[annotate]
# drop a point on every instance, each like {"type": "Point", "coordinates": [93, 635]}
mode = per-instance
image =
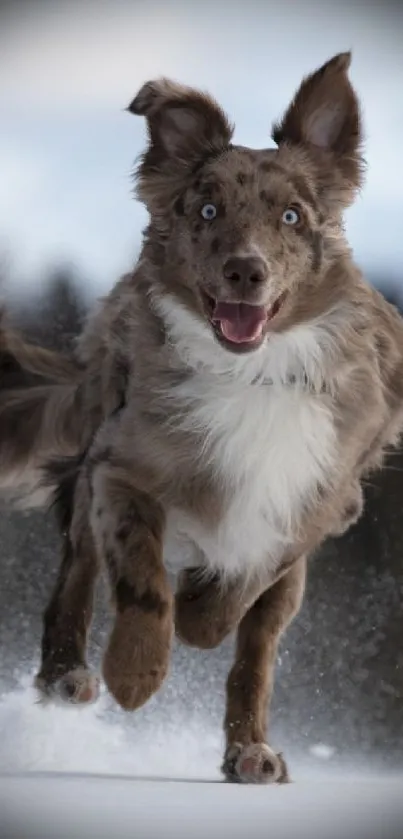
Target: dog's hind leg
{"type": "Point", "coordinates": [64, 672]}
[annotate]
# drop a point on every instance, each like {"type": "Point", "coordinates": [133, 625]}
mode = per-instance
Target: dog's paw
{"type": "Point", "coordinates": [137, 658]}
{"type": "Point", "coordinates": [132, 688]}
{"type": "Point", "coordinates": [255, 763]}
{"type": "Point", "coordinates": [76, 687]}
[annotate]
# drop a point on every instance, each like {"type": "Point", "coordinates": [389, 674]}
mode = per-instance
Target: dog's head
{"type": "Point", "coordinates": [247, 234]}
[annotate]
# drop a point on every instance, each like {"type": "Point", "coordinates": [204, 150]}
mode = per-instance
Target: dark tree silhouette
{"type": "Point", "coordinates": [56, 316]}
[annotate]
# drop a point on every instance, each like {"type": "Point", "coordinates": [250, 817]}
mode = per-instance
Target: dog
{"type": "Point", "coordinates": [227, 399]}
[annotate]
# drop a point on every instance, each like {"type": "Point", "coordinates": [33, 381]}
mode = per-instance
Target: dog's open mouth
{"type": "Point", "coordinates": [240, 324]}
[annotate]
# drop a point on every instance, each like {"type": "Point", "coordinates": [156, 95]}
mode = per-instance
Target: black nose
{"type": "Point", "coordinates": [245, 270]}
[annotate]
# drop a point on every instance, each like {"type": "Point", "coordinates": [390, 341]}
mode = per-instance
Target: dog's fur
{"type": "Point", "coordinates": [47, 374]}
{"type": "Point", "coordinates": [230, 458]}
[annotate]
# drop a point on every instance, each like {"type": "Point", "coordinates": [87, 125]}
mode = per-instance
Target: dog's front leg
{"type": "Point", "coordinates": [207, 610]}
{"type": "Point", "coordinates": [248, 758]}
{"type": "Point", "coordinates": [128, 527]}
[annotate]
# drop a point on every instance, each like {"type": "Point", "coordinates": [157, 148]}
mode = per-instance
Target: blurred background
{"type": "Point", "coordinates": [68, 227]}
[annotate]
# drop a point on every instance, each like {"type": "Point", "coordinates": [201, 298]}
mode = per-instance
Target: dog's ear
{"type": "Point", "coordinates": [325, 116]}
{"type": "Point", "coordinates": [184, 125]}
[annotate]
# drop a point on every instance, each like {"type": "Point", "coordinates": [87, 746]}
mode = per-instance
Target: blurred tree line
{"type": "Point", "coordinates": [54, 316]}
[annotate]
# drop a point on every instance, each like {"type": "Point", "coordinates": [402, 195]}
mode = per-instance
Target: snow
{"type": "Point", "coordinates": [39, 736]}
{"type": "Point", "coordinates": [65, 807]}
{"type": "Point", "coordinates": [71, 772]}
{"type": "Point", "coordinates": [46, 737]}
{"type": "Point", "coordinates": [322, 751]}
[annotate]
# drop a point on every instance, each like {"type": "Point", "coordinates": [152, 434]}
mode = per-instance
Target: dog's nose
{"type": "Point", "coordinates": [246, 271]}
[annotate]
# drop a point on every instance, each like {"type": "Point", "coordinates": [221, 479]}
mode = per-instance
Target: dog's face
{"type": "Point", "coordinates": [246, 234]}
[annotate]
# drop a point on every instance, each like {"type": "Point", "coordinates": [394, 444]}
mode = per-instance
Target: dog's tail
{"type": "Point", "coordinates": [40, 413]}
{"type": "Point", "coordinates": [37, 424]}
{"type": "Point", "coordinates": [23, 364]}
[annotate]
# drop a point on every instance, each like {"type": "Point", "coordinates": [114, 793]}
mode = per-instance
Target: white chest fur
{"type": "Point", "coordinates": [268, 445]}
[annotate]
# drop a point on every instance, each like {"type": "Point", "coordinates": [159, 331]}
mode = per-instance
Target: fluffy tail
{"type": "Point", "coordinates": [40, 416]}
{"type": "Point", "coordinates": [37, 424]}
{"type": "Point", "coordinates": [23, 364]}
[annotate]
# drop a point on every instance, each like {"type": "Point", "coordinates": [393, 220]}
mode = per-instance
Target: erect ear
{"type": "Point", "coordinates": [325, 115]}
{"type": "Point", "coordinates": [183, 124]}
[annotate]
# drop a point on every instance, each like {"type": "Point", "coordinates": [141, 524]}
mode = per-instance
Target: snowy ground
{"type": "Point", "coordinates": [96, 739]}
{"type": "Point", "coordinates": [71, 773]}
{"type": "Point", "coordinates": [66, 808]}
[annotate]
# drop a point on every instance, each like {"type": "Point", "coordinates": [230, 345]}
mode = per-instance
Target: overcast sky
{"type": "Point", "coordinates": [67, 70]}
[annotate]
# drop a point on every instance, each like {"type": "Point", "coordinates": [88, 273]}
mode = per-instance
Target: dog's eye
{"type": "Point", "coordinates": [291, 216]}
{"type": "Point", "coordinates": [208, 211]}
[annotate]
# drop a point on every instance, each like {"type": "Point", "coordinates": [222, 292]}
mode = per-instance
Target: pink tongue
{"type": "Point", "coordinates": [239, 321]}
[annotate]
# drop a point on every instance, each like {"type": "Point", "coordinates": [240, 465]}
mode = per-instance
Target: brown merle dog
{"type": "Point", "coordinates": [232, 392]}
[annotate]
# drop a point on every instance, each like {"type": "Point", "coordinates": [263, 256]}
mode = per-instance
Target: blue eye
{"type": "Point", "coordinates": [208, 211]}
{"type": "Point", "coordinates": [290, 216]}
